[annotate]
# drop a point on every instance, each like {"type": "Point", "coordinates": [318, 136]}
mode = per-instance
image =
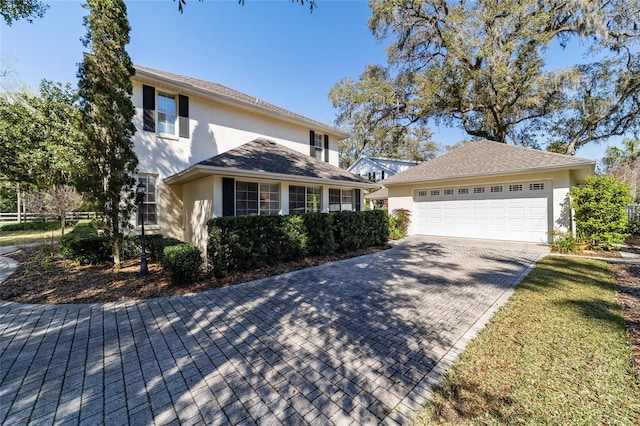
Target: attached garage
{"type": "Point", "coordinates": [513, 212]}
{"type": "Point", "coordinates": [489, 190]}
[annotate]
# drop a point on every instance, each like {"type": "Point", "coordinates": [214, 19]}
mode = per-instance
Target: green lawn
{"type": "Point", "coordinates": [556, 353]}
{"type": "Point", "coordinates": [10, 238]}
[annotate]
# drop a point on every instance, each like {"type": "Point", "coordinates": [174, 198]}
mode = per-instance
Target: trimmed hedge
{"type": "Point", "coordinates": [34, 225]}
{"type": "Point", "coordinates": [183, 262]}
{"type": "Point", "coordinates": [84, 245]}
{"type": "Point", "coordinates": [155, 244]}
{"type": "Point", "coordinates": [250, 242]}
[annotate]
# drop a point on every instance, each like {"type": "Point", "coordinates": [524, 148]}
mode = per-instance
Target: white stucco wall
{"type": "Point", "coordinates": [559, 216]}
{"type": "Point", "coordinates": [214, 128]}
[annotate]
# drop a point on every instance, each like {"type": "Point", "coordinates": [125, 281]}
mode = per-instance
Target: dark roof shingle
{"type": "Point", "coordinates": [263, 155]}
{"type": "Point", "coordinates": [484, 158]}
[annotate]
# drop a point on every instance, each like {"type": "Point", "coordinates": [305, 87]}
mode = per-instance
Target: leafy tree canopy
{"type": "Point", "coordinates": [40, 137]}
{"type": "Point", "coordinates": [624, 164]}
{"type": "Point", "coordinates": [13, 10]}
{"type": "Point", "coordinates": [367, 111]}
{"type": "Point", "coordinates": [480, 65]}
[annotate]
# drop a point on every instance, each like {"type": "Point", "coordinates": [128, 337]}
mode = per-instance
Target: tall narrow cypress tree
{"type": "Point", "coordinates": [105, 90]}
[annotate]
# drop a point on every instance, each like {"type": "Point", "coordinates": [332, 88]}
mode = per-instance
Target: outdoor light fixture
{"type": "Point", "coordinates": [141, 191]}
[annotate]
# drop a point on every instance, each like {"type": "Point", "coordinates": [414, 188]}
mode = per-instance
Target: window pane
{"type": "Point", "coordinates": [269, 198]}
{"type": "Point", "coordinates": [246, 198]}
{"type": "Point", "coordinates": [148, 208]}
{"type": "Point", "coordinates": [167, 113]}
{"type": "Point", "coordinates": [296, 199]}
{"type": "Point", "coordinates": [334, 200]}
{"type": "Point", "coordinates": [313, 199]}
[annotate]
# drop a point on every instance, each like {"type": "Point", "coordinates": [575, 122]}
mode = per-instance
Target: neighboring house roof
{"type": "Point", "coordinates": [226, 95]}
{"type": "Point", "coordinates": [381, 194]}
{"type": "Point", "coordinates": [268, 160]}
{"type": "Point", "coordinates": [487, 158]}
{"type": "Point", "coordinates": [380, 162]}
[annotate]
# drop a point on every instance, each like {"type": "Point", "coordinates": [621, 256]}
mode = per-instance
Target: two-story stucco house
{"type": "Point", "coordinates": [206, 151]}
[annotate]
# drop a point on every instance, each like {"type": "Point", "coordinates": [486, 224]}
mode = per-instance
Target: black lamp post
{"type": "Point", "coordinates": [141, 191]}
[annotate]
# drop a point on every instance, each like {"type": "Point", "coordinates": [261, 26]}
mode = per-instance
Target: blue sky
{"type": "Point", "coordinates": [274, 50]}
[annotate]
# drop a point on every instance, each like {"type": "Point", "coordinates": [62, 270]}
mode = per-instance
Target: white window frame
{"type": "Point", "coordinates": [167, 122]}
{"type": "Point", "coordinates": [341, 205]}
{"type": "Point", "coordinates": [150, 199]}
{"type": "Point", "coordinates": [264, 201]}
{"type": "Point", "coordinates": [318, 144]}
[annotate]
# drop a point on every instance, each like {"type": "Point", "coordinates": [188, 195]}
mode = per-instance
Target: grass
{"type": "Point", "coordinates": [556, 353]}
{"type": "Point", "coordinates": [11, 238]}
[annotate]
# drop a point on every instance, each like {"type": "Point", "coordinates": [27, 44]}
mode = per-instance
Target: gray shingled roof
{"type": "Point", "coordinates": [485, 158]}
{"type": "Point", "coordinates": [218, 90]}
{"type": "Point", "coordinates": [264, 156]}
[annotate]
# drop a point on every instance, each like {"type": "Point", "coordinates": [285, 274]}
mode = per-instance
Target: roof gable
{"type": "Point", "coordinates": [484, 158]}
{"type": "Point", "coordinates": [264, 156]}
{"type": "Point", "coordinates": [226, 94]}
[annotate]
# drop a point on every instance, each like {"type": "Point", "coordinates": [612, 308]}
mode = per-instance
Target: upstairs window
{"type": "Point", "coordinates": [167, 113]}
{"type": "Point", "coordinates": [319, 146]}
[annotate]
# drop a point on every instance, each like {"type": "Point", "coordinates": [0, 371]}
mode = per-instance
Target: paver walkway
{"type": "Point", "coordinates": [354, 342]}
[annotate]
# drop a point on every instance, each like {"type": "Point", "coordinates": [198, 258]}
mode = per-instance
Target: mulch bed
{"type": "Point", "coordinates": [44, 277]}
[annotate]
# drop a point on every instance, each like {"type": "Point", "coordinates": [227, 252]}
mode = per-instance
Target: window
{"type": "Point", "coordinates": [318, 140]}
{"type": "Point", "coordinates": [269, 198]}
{"type": "Point", "coordinates": [246, 198]}
{"type": "Point", "coordinates": [304, 199]}
{"type": "Point", "coordinates": [515, 188]}
{"type": "Point", "coordinates": [448, 192]}
{"type": "Point", "coordinates": [422, 193]}
{"type": "Point", "coordinates": [167, 113]}
{"type": "Point", "coordinates": [435, 192]}
{"type": "Point", "coordinates": [149, 203]}
{"type": "Point", "coordinates": [497, 188]}
{"type": "Point", "coordinates": [478, 190]}
{"type": "Point", "coordinates": [257, 198]}
{"type": "Point", "coordinates": [536, 186]}
{"type": "Point", "coordinates": [340, 200]}
{"type": "Point", "coordinates": [463, 191]}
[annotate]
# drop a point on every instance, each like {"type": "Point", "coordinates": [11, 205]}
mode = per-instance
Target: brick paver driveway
{"type": "Point", "coordinates": [358, 341]}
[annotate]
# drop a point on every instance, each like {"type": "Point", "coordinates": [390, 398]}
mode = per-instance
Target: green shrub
{"type": "Point", "coordinates": [356, 230]}
{"type": "Point", "coordinates": [250, 242]}
{"type": "Point", "coordinates": [183, 262]}
{"type": "Point", "coordinates": [600, 210]}
{"type": "Point", "coordinates": [84, 245]}
{"type": "Point", "coordinates": [154, 244]}
{"type": "Point", "coordinates": [34, 225]}
{"type": "Point", "coordinates": [563, 242]}
{"type": "Point", "coordinates": [319, 232]}
{"type": "Point", "coordinates": [399, 220]}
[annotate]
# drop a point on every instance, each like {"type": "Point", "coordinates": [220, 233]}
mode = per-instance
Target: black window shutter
{"type": "Point", "coordinates": [312, 141]}
{"type": "Point", "coordinates": [183, 113]}
{"type": "Point", "coordinates": [326, 148]}
{"type": "Point", "coordinates": [148, 106]}
{"type": "Point", "coordinates": [357, 199]}
{"type": "Point", "coordinates": [228, 197]}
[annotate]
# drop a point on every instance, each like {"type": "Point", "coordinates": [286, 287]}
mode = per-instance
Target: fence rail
{"type": "Point", "coordinates": [71, 216]}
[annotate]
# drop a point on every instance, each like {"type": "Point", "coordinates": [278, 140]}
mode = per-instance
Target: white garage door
{"type": "Point", "coordinates": [512, 212]}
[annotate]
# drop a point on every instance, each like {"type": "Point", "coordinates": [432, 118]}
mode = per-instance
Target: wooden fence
{"type": "Point", "coordinates": [70, 217]}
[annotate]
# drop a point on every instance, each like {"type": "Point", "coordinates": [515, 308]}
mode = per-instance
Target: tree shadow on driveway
{"type": "Point", "coordinates": [352, 341]}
